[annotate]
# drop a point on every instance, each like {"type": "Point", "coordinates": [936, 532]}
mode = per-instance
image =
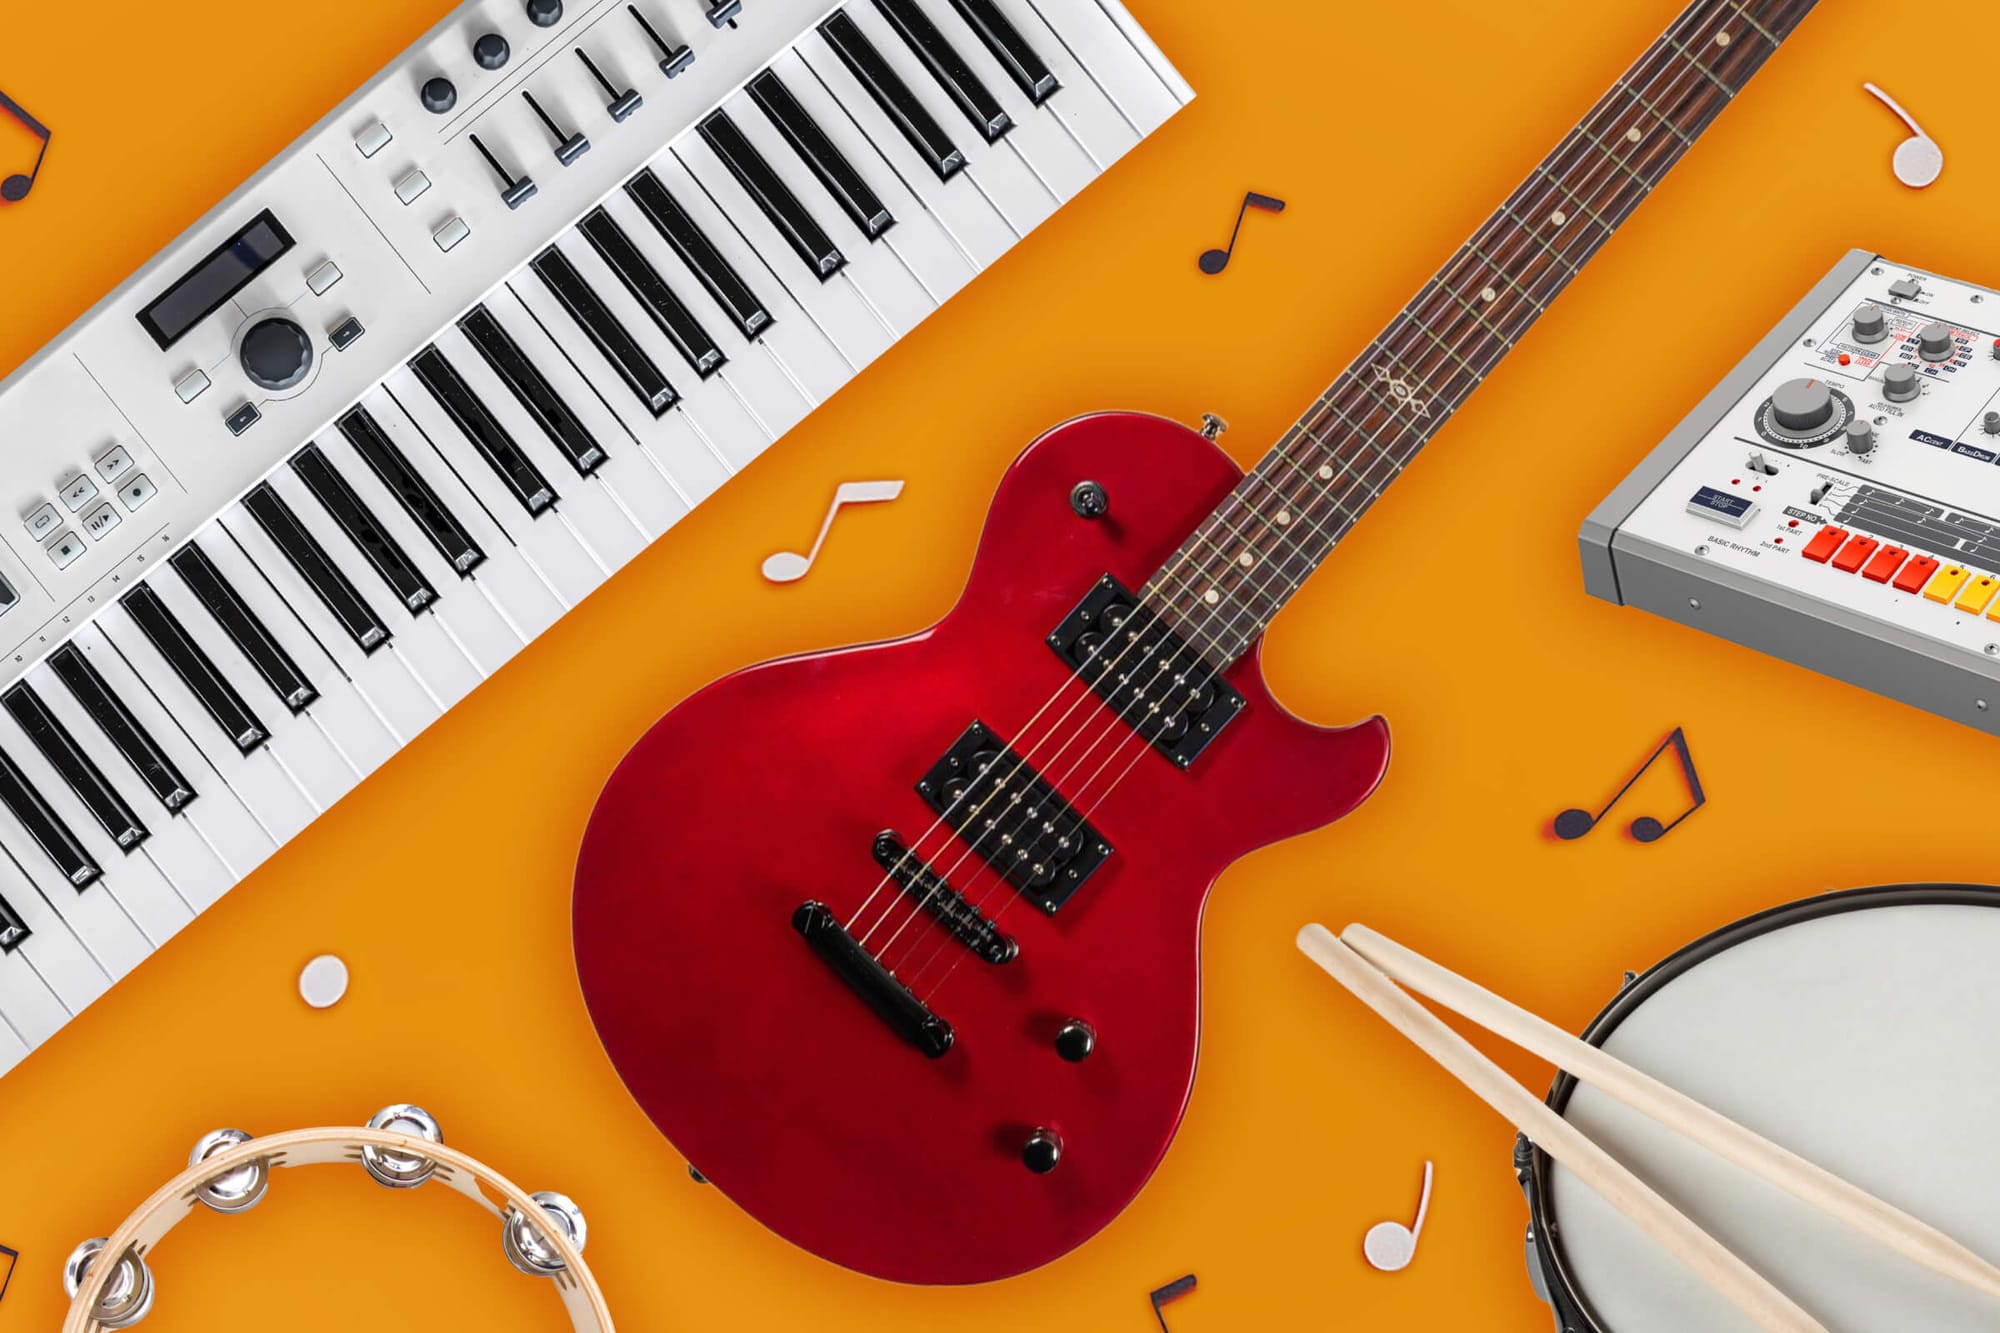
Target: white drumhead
{"type": "Point", "coordinates": [1867, 1041]}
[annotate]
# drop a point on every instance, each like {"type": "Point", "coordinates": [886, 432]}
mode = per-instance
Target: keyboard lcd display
{"type": "Point", "coordinates": [227, 271]}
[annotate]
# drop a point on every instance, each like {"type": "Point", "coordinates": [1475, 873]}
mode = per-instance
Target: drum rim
{"type": "Point", "coordinates": [1574, 1312]}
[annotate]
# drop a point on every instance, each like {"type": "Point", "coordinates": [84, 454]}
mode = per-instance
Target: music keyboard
{"type": "Point", "coordinates": [468, 346]}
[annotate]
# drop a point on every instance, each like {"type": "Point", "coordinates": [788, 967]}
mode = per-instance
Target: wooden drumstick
{"type": "Point", "coordinates": [1705, 1256]}
{"type": "Point", "coordinates": [1881, 1222]}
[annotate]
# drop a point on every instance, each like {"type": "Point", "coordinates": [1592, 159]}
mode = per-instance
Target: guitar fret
{"type": "Point", "coordinates": [1476, 313]}
{"type": "Point", "coordinates": [1508, 278]}
{"type": "Point", "coordinates": [1696, 62]}
{"type": "Point", "coordinates": [1647, 102]}
{"type": "Point", "coordinates": [1616, 160]}
{"type": "Point", "coordinates": [1574, 198]}
{"type": "Point", "coordinates": [1761, 30]}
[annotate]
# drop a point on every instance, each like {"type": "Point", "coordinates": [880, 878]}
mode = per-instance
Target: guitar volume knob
{"type": "Point", "coordinates": [1042, 1151]}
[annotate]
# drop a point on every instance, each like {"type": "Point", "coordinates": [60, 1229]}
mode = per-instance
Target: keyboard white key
{"type": "Point", "coordinates": [63, 962]}
{"type": "Point", "coordinates": [30, 1013]}
{"type": "Point", "coordinates": [1116, 65]}
{"type": "Point", "coordinates": [1081, 103]}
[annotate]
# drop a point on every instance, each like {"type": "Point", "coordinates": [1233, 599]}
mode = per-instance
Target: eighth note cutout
{"type": "Point", "coordinates": [790, 566]}
{"type": "Point", "coordinates": [1573, 824]}
{"type": "Point", "coordinates": [1390, 1246]}
{"type": "Point", "coordinates": [15, 188]}
{"type": "Point", "coordinates": [1173, 1291]}
{"type": "Point", "coordinates": [1214, 261]}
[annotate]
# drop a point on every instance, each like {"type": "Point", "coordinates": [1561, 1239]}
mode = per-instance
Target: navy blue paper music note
{"type": "Point", "coordinates": [1214, 261]}
{"type": "Point", "coordinates": [15, 188]}
{"type": "Point", "coordinates": [1179, 1287]}
{"type": "Point", "coordinates": [1573, 824]}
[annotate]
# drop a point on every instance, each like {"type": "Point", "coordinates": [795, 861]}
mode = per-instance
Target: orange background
{"type": "Point", "coordinates": [1456, 610]}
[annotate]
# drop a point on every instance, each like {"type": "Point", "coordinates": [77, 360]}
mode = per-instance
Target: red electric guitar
{"type": "Point", "coordinates": [899, 944]}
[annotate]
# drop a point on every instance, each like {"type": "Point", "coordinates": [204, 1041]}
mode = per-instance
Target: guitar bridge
{"type": "Point", "coordinates": [945, 904]}
{"type": "Point", "coordinates": [907, 1016]}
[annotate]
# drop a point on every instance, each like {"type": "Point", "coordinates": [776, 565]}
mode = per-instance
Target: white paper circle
{"type": "Point", "coordinates": [323, 981]}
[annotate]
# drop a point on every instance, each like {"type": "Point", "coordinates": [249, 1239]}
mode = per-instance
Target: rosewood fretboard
{"type": "Point", "coordinates": [1254, 551]}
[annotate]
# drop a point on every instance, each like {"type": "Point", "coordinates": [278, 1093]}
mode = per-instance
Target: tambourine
{"type": "Point", "coordinates": [401, 1147]}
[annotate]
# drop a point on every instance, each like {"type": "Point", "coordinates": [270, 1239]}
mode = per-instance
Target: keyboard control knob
{"type": "Point", "coordinates": [277, 354]}
{"type": "Point", "coordinates": [1935, 343]}
{"type": "Point", "coordinates": [1899, 384]}
{"type": "Point", "coordinates": [440, 96]}
{"type": "Point", "coordinates": [1870, 324]}
{"type": "Point", "coordinates": [1042, 1151]}
{"type": "Point", "coordinates": [1800, 407]}
{"type": "Point", "coordinates": [1860, 437]}
{"type": "Point", "coordinates": [1076, 1041]}
{"type": "Point", "coordinates": [545, 13]}
{"type": "Point", "coordinates": [1990, 423]}
{"type": "Point", "coordinates": [491, 51]}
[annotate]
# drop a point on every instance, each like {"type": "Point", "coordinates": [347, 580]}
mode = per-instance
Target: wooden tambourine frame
{"type": "Point", "coordinates": [153, 1219]}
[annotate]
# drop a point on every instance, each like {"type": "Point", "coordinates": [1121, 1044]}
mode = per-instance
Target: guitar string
{"type": "Point", "coordinates": [1695, 70]}
{"type": "Point", "coordinates": [1347, 382]}
{"type": "Point", "coordinates": [1558, 184]}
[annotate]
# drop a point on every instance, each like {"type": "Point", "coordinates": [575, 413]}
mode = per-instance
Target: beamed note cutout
{"type": "Point", "coordinates": [813, 967]}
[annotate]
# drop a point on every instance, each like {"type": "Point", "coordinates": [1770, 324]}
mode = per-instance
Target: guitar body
{"type": "Point", "coordinates": [768, 789]}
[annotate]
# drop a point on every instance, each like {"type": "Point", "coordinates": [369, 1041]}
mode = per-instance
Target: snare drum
{"type": "Point", "coordinates": [1862, 1031]}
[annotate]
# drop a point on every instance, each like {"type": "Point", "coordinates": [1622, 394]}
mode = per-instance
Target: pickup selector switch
{"type": "Point", "coordinates": [1899, 384]}
{"type": "Point", "coordinates": [277, 355]}
{"type": "Point", "coordinates": [1076, 1040]}
{"type": "Point", "coordinates": [1935, 343]}
{"type": "Point", "coordinates": [1870, 324]}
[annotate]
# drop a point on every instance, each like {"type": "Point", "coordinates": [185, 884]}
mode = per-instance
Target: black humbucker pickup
{"type": "Point", "coordinates": [946, 905]}
{"type": "Point", "coordinates": [1158, 685]}
{"type": "Point", "coordinates": [1017, 822]}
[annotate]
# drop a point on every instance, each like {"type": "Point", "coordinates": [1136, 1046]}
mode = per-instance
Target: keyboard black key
{"type": "Point", "coordinates": [1029, 71]}
{"type": "Point", "coordinates": [532, 390]}
{"type": "Point", "coordinates": [122, 729]}
{"type": "Point", "coordinates": [651, 291]}
{"type": "Point", "coordinates": [247, 632]}
{"type": "Point", "coordinates": [773, 196]}
{"type": "Point", "coordinates": [515, 469]}
{"type": "Point", "coordinates": [12, 928]}
{"type": "Point", "coordinates": [310, 559]}
{"type": "Point", "coordinates": [552, 266]}
{"type": "Point", "coordinates": [947, 67]}
{"type": "Point", "coordinates": [45, 827]}
{"type": "Point", "coordinates": [898, 103]}
{"type": "Point", "coordinates": [419, 501]}
{"type": "Point", "coordinates": [84, 777]}
{"type": "Point", "coordinates": [699, 254]}
{"type": "Point", "coordinates": [405, 580]}
{"type": "Point", "coordinates": [196, 669]}
{"type": "Point", "coordinates": [809, 141]}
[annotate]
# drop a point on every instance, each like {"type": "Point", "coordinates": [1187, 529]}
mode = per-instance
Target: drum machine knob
{"type": "Point", "coordinates": [1935, 343]}
{"type": "Point", "coordinates": [1870, 324]}
{"type": "Point", "coordinates": [1860, 437]}
{"type": "Point", "coordinates": [1899, 384]}
{"type": "Point", "coordinates": [1800, 407]}
{"type": "Point", "coordinates": [277, 354]}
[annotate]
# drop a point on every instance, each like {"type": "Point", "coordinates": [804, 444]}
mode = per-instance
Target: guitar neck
{"type": "Point", "coordinates": [1244, 561]}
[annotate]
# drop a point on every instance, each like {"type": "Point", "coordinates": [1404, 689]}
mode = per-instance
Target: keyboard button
{"type": "Point", "coordinates": [861, 204]}
{"type": "Point", "coordinates": [9, 599]}
{"type": "Point", "coordinates": [72, 862]}
{"type": "Point", "coordinates": [947, 66]}
{"type": "Point", "coordinates": [451, 235]}
{"type": "Point", "coordinates": [244, 629]}
{"type": "Point", "coordinates": [113, 463]}
{"type": "Point", "coordinates": [191, 386]}
{"type": "Point", "coordinates": [610, 338]}
{"type": "Point", "coordinates": [695, 250]}
{"type": "Point", "coordinates": [309, 559]}
{"type": "Point", "coordinates": [650, 290]}
{"type": "Point", "coordinates": [243, 418]}
{"type": "Point", "coordinates": [373, 139]}
{"type": "Point", "coordinates": [100, 521]}
{"type": "Point", "coordinates": [64, 549]}
{"type": "Point", "coordinates": [118, 819]}
{"type": "Point", "coordinates": [444, 532]}
{"type": "Point", "coordinates": [1023, 65]}
{"type": "Point", "coordinates": [78, 491]}
{"type": "Point", "coordinates": [132, 740]}
{"type": "Point", "coordinates": [412, 186]}
{"type": "Point", "coordinates": [46, 519]}
{"type": "Point", "coordinates": [793, 222]}
{"type": "Point", "coordinates": [380, 549]}
{"type": "Point", "coordinates": [322, 279]}
{"type": "Point", "coordinates": [345, 334]}
{"type": "Point", "coordinates": [137, 491]}
{"type": "Point", "coordinates": [217, 697]}
{"type": "Point", "coordinates": [503, 356]}
{"type": "Point", "coordinates": [882, 83]}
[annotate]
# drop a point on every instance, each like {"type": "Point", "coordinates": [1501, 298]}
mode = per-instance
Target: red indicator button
{"type": "Point", "coordinates": [1845, 358]}
{"type": "Point", "coordinates": [1855, 554]}
{"type": "Point", "coordinates": [1885, 564]}
{"type": "Point", "coordinates": [1821, 548]}
{"type": "Point", "coordinates": [1915, 575]}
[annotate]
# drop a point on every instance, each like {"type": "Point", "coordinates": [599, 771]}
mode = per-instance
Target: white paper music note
{"type": "Point", "coordinates": [790, 566]}
{"type": "Point", "coordinates": [1390, 1246]}
{"type": "Point", "coordinates": [1918, 160]}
